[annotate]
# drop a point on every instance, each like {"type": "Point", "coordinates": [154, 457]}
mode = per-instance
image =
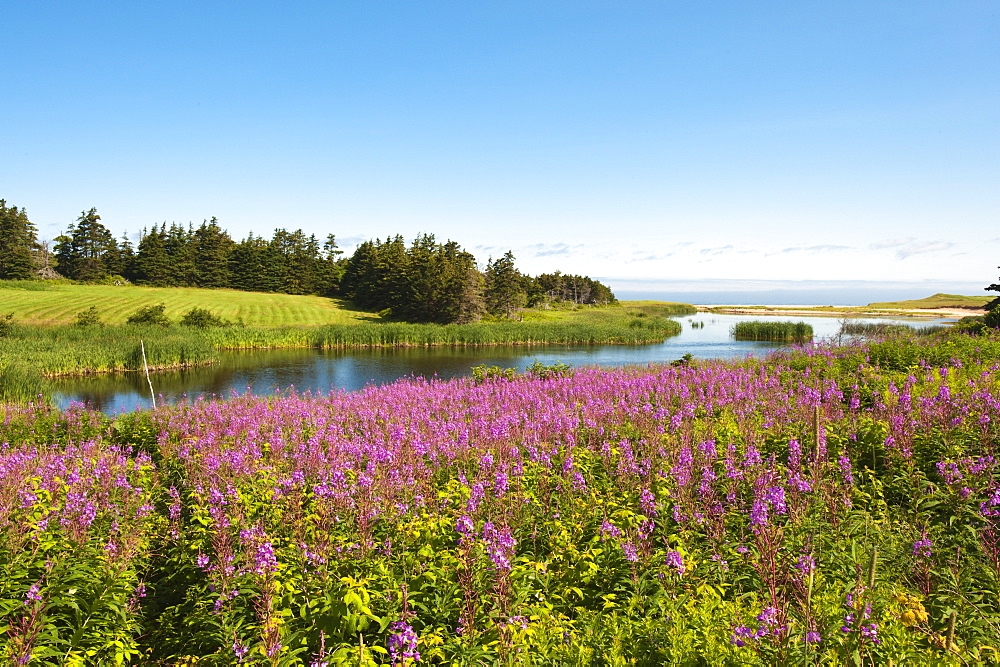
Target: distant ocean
{"type": "Point", "coordinates": [796, 295]}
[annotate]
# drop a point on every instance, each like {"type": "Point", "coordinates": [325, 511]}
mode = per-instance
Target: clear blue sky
{"type": "Point", "coordinates": [633, 141]}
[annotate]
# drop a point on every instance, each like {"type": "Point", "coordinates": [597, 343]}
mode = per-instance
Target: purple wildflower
{"type": "Point", "coordinates": [402, 643]}
{"type": "Point", "coordinates": [676, 561]}
{"type": "Point", "coordinates": [922, 547]}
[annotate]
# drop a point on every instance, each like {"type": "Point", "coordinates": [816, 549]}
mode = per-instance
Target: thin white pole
{"type": "Point", "coordinates": [152, 396]}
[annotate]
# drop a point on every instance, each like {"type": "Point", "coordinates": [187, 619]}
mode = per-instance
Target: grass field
{"type": "Point", "coordinates": [938, 301]}
{"type": "Point", "coordinates": [42, 303]}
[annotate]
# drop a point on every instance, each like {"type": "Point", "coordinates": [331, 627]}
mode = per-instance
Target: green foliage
{"type": "Point", "coordinates": [18, 240]}
{"type": "Point", "coordinates": [992, 318]}
{"type": "Point", "coordinates": [506, 288]}
{"type": "Point", "coordinates": [486, 373]}
{"type": "Point", "coordinates": [88, 251]}
{"type": "Point", "coordinates": [150, 315]}
{"type": "Point", "coordinates": [970, 325]}
{"type": "Point", "coordinates": [202, 319]}
{"type": "Point", "coordinates": [547, 372]}
{"type": "Point", "coordinates": [6, 325]}
{"type": "Point", "coordinates": [88, 318]}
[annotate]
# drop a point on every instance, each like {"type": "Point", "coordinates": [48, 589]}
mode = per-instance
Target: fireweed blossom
{"type": "Point", "coordinates": [922, 547]}
{"type": "Point", "coordinates": [676, 561]}
{"type": "Point", "coordinates": [609, 529]}
{"type": "Point", "coordinates": [767, 624]}
{"type": "Point", "coordinates": [402, 643]}
{"type": "Point", "coordinates": [771, 499]}
{"type": "Point", "coordinates": [499, 543]}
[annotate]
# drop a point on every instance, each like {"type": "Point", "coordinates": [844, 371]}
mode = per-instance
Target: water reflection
{"type": "Point", "coordinates": [267, 372]}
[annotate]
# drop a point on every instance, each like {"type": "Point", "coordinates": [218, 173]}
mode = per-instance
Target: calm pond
{"type": "Point", "coordinates": [271, 371]}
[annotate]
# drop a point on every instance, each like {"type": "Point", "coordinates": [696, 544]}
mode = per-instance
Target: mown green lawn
{"type": "Point", "coordinates": [59, 304]}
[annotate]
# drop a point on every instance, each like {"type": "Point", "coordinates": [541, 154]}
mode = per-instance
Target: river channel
{"type": "Point", "coordinates": [704, 336]}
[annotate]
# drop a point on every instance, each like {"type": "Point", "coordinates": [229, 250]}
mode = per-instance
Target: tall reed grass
{"type": "Point", "coordinates": [885, 329]}
{"type": "Point", "coordinates": [20, 383]}
{"type": "Point", "coordinates": [72, 350]}
{"type": "Point", "coordinates": [336, 336]}
{"type": "Point", "coordinates": [780, 332]}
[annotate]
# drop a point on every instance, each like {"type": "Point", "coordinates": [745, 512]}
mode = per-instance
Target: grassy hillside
{"type": "Point", "coordinates": [42, 303]}
{"type": "Point", "coordinates": [937, 301]}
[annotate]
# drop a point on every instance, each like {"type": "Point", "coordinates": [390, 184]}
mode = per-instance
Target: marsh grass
{"type": "Point", "coordinates": [20, 383]}
{"type": "Point", "coordinates": [81, 350]}
{"type": "Point", "coordinates": [886, 329]}
{"type": "Point", "coordinates": [460, 335]}
{"type": "Point", "coordinates": [780, 332]}
{"type": "Point", "coordinates": [873, 329]}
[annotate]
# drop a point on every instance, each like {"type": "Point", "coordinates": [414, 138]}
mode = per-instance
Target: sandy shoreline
{"type": "Point", "coordinates": [819, 310]}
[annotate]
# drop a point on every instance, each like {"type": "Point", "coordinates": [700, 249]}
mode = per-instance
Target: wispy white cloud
{"type": "Point", "coordinates": [908, 247]}
{"type": "Point", "coordinates": [350, 241]}
{"type": "Point", "coordinates": [648, 256]}
{"type": "Point", "coordinates": [814, 249]}
{"type": "Point", "coordinates": [718, 250]}
{"type": "Point", "coordinates": [550, 249]}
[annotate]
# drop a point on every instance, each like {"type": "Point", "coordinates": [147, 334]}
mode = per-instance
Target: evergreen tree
{"type": "Point", "coordinates": [995, 287]}
{"type": "Point", "coordinates": [126, 254]}
{"type": "Point", "coordinates": [180, 249]}
{"type": "Point", "coordinates": [213, 248]}
{"type": "Point", "coordinates": [506, 288]}
{"type": "Point", "coordinates": [152, 264]}
{"type": "Point", "coordinates": [330, 270]}
{"type": "Point", "coordinates": [462, 290]}
{"type": "Point", "coordinates": [88, 250]}
{"type": "Point", "coordinates": [18, 242]}
{"type": "Point", "coordinates": [375, 276]}
{"type": "Point", "coordinates": [248, 264]}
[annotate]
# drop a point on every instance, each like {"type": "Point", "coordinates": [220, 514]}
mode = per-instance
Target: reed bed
{"type": "Point", "coordinates": [336, 336]}
{"type": "Point", "coordinates": [20, 383]}
{"type": "Point", "coordinates": [874, 329]}
{"type": "Point", "coordinates": [73, 350]}
{"type": "Point", "coordinates": [779, 332]}
{"type": "Point", "coordinates": [887, 329]}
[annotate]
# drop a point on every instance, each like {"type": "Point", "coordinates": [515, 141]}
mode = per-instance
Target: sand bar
{"type": "Point", "coordinates": [820, 310]}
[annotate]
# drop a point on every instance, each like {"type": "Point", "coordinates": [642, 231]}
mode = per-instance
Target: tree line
{"type": "Point", "coordinates": [423, 281]}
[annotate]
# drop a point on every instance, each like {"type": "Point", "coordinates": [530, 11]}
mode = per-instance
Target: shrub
{"type": "Point", "coordinates": [87, 318]}
{"type": "Point", "coordinates": [483, 373]}
{"type": "Point", "coordinates": [202, 318]}
{"type": "Point", "coordinates": [970, 325]}
{"type": "Point", "coordinates": [556, 370]}
{"type": "Point", "coordinates": [150, 315]}
{"type": "Point", "coordinates": [992, 318]}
